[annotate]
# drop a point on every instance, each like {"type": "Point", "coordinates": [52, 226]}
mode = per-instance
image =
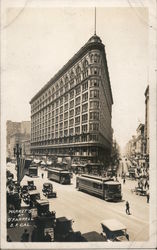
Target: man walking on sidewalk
{"type": "Point", "coordinates": [127, 208]}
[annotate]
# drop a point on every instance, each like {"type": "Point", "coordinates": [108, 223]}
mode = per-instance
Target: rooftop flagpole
{"type": "Point", "coordinates": [95, 22]}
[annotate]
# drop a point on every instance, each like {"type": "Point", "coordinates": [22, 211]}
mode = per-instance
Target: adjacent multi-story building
{"type": "Point", "coordinates": [147, 121]}
{"type": "Point", "coordinates": [71, 115]}
{"type": "Point", "coordinates": [16, 133]}
{"type": "Point", "coordinates": [140, 140]}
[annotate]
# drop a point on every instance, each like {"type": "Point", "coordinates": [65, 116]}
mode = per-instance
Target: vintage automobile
{"type": "Point", "coordinates": [63, 229]}
{"type": "Point", "coordinates": [44, 221]}
{"type": "Point", "coordinates": [92, 236]}
{"type": "Point", "coordinates": [33, 196]}
{"type": "Point", "coordinates": [31, 185]}
{"type": "Point", "coordinates": [24, 191]}
{"type": "Point", "coordinates": [114, 230]}
{"type": "Point", "coordinates": [48, 190]}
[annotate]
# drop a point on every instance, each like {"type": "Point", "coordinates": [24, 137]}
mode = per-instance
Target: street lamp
{"type": "Point", "coordinates": [17, 154]}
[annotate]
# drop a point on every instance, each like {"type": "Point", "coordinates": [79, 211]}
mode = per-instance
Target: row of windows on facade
{"type": "Point", "coordinates": [92, 127]}
{"type": "Point", "coordinates": [40, 118]}
{"type": "Point", "coordinates": [77, 90]}
{"type": "Point", "coordinates": [65, 79]}
{"type": "Point", "coordinates": [79, 138]}
{"type": "Point", "coordinates": [93, 116]}
{"type": "Point", "coordinates": [77, 101]}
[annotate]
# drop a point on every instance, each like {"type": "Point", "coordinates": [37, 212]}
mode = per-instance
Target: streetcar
{"type": "Point", "coordinates": [104, 188]}
{"type": "Point", "coordinates": [59, 175]}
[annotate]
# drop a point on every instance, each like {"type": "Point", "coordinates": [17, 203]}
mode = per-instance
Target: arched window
{"type": "Point", "coordinates": [85, 64]}
{"type": "Point", "coordinates": [72, 74]}
{"type": "Point", "coordinates": [78, 70]}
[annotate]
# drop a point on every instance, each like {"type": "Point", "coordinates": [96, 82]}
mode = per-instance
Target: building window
{"type": "Point", "coordinates": [61, 91]}
{"type": "Point", "coordinates": [71, 131]}
{"type": "Point", "coordinates": [72, 104]}
{"type": "Point", "coordinates": [94, 127]}
{"type": "Point", "coordinates": [56, 119]}
{"type": "Point", "coordinates": [84, 86]}
{"type": "Point", "coordinates": [77, 120]}
{"type": "Point", "coordinates": [71, 122]}
{"type": "Point", "coordinates": [77, 100]}
{"type": "Point", "coordinates": [61, 100]}
{"type": "Point", "coordinates": [94, 83]}
{"type": "Point", "coordinates": [65, 106]}
{"type": "Point", "coordinates": [94, 93]}
{"type": "Point", "coordinates": [93, 137]}
{"type": "Point", "coordinates": [94, 116]}
{"type": "Point", "coordinates": [95, 71]}
{"type": "Point", "coordinates": [56, 127]}
{"type": "Point", "coordinates": [85, 97]}
{"type": "Point", "coordinates": [78, 90]}
{"type": "Point", "coordinates": [77, 130]}
{"type": "Point", "coordinates": [84, 107]}
{"type": "Point", "coordinates": [61, 117]}
{"type": "Point", "coordinates": [65, 132]}
{"type": "Point", "coordinates": [84, 118]}
{"type": "Point", "coordinates": [66, 98]}
{"type": "Point", "coordinates": [61, 109]}
{"type": "Point", "coordinates": [66, 87]}
{"type": "Point", "coordinates": [71, 83]}
{"type": "Point", "coordinates": [65, 124]}
{"type": "Point", "coordinates": [71, 112]}
{"type": "Point", "coordinates": [72, 94]}
{"type": "Point", "coordinates": [84, 128]}
{"type": "Point", "coordinates": [94, 105]}
{"type": "Point", "coordinates": [57, 103]}
{"type": "Point", "coordinates": [77, 111]}
{"type": "Point", "coordinates": [57, 111]}
{"type": "Point", "coordinates": [65, 115]}
{"type": "Point", "coordinates": [61, 133]}
{"type": "Point", "coordinates": [84, 138]}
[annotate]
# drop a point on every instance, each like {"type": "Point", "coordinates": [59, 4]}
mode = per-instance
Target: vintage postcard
{"type": "Point", "coordinates": [78, 124]}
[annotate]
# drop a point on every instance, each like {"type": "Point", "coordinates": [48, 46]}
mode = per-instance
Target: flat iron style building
{"type": "Point", "coordinates": [71, 115]}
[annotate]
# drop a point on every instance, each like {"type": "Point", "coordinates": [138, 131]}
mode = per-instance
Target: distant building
{"type": "Point", "coordinates": [26, 147]}
{"type": "Point", "coordinates": [11, 127]}
{"type": "Point", "coordinates": [140, 141]}
{"type": "Point", "coordinates": [16, 133]}
{"type": "Point", "coordinates": [147, 121]}
{"type": "Point", "coordinates": [71, 115]}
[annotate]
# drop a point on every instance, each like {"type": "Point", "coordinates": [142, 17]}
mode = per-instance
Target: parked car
{"type": "Point", "coordinates": [114, 230]}
{"type": "Point", "coordinates": [48, 190]}
{"type": "Point", "coordinates": [31, 185]}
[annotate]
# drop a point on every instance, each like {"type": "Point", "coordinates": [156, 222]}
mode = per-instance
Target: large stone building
{"type": "Point", "coordinates": [71, 115]}
{"type": "Point", "coordinates": [16, 133]}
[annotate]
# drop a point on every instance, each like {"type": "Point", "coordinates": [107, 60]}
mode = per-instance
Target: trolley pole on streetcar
{"type": "Point", "coordinates": [17, 154]}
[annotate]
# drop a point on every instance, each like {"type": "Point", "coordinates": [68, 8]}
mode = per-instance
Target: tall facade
{"type": "Point", "coordinates": [147, 120]}
{"type": "Point", "coordinates": [71, 115]}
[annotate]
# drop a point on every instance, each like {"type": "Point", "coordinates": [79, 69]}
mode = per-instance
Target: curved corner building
{"type": "Point", "coordinates": [71, 115]}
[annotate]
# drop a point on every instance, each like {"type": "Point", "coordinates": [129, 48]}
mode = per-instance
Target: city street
{"type": "Point", "coordinates": [88, 211]}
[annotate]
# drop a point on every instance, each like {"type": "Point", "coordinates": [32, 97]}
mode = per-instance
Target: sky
{"type": "Point", "coordinates": [39, 41]}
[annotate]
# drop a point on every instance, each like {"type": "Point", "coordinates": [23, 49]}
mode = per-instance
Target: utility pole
{"type": "Point", "coordinates": [17, 154]}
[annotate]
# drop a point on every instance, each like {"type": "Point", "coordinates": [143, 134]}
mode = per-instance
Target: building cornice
{"type": "Point", "coordinates": [87, 47]}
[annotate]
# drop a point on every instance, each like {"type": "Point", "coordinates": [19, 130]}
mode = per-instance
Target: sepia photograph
{"type": "Point", "coordinates": [78, 124]}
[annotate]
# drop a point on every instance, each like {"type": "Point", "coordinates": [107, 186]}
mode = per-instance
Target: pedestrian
{"type": "Point", "coordinates": [127, 208]}
{"type": "Point", "coordinates": [8, 238]}
{"type": "Point", "coordinates": [47, 237]}
{"type": "Point", "coordinates": [148, 196]}
{"type": "Point", "coordinates": [42, 175]}
{"type": "Point", "coordinates": [25, 236]}
{"type": "Point", "coordinates": [124, 181]}
{"type": "Point", "coordinates": [34, 236]}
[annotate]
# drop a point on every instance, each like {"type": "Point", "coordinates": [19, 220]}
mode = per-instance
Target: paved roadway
{"type": "Point", "coordinates": [88, 211]}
